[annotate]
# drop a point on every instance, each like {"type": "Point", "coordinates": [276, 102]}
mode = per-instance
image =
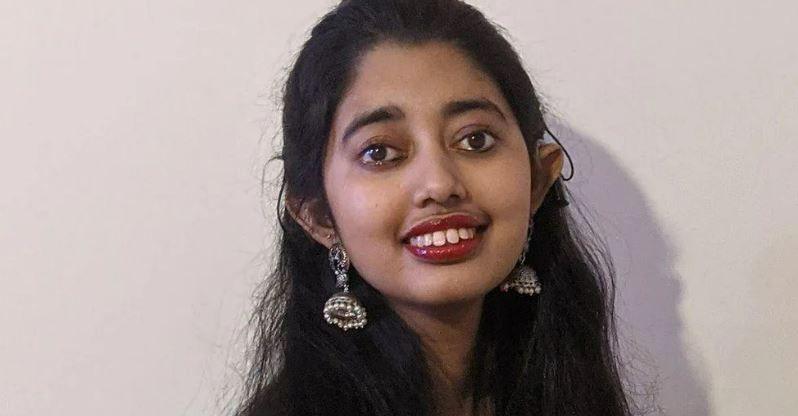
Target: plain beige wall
{"type": "Point", "coordinates": [132, 234]}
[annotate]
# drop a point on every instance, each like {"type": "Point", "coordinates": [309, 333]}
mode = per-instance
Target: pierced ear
{"type": "Point", "coordinates": [548, 166]}
{"type": "Point", "coordinates": [311, 217]}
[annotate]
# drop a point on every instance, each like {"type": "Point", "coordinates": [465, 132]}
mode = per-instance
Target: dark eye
{"type": "Point", "coordinates": [478, 141]}
{"type": "Point", "coordinates": [377, 154]}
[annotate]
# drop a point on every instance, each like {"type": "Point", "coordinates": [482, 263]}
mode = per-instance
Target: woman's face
{"type": "Point", "coordinates": [443, 141]}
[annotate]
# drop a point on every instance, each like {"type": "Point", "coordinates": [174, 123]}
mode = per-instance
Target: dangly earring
{"type": "Point", "coordinates": [523, 278]}
{"type": "Point", "coordinates": [343, 309]}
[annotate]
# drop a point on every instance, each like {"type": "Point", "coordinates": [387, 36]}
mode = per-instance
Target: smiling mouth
{"type": "Point", "coordinates": [443, 238]}
{"type": "Point", "coordinates": [448, 252]}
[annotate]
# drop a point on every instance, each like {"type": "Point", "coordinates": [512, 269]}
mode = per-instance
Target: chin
{"type": "Point", "coordinates": [443, 296]}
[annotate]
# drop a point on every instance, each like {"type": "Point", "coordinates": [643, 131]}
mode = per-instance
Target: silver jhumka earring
{"type": "Point", "coordinates": [523, 278]}
{"type": "Point", "coordinates": [343, 309]}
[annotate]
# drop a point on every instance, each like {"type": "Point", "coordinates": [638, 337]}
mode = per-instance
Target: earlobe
{"type": "Point", "coordinates": [307, 216]}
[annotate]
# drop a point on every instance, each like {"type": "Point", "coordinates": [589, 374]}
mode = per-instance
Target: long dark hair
{"type": "Point", "coordinates": [551, 354]}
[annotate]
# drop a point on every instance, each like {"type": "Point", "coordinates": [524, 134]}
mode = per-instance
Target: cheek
{"type": "Point", "coordinates": [363, 210]}
{"type": "Point", "coordinates": [368, 215]}
{"type": "Point", "coordinates": [504, 192]}
{"type": "Point", "coordinates": [503, 188]}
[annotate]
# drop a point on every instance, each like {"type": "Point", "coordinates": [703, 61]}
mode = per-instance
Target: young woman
{"type": "Point", "coordinates": [428, 262]}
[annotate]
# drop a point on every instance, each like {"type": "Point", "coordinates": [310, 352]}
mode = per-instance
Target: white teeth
{"type": "Point", "coordinates": [439, 238]}
{"type": "Point", "coordinates": [451, 236]}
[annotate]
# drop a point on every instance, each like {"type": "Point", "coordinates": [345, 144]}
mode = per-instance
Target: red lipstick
{"type": "Point", "coordinates": [442, 224]}
{"type": "Point", "coordinates": [448, 252]}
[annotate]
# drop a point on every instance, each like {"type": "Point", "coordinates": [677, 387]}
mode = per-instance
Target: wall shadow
{"type": "Point", "coordinates": [664, 372]}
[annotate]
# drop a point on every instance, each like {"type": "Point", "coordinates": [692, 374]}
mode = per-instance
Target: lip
{"type": "Point", "coordinates": [447, 253]}
{"type": "Point", "coordinates": [458, 220]}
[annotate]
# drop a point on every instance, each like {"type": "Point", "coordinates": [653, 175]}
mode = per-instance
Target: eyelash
{"type": "Point", "coordinates": [384, 162]}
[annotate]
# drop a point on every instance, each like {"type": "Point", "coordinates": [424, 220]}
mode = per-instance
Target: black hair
{"type": "Point", "coordinates": [551, 354]}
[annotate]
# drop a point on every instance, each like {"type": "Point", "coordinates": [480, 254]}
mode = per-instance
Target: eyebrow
{"type": "Point", "coordinates": [456, 108]}
{"type": "Point", "coordinates": [382, 114]}
{"type": "Point", "coordinates": [394, 113]}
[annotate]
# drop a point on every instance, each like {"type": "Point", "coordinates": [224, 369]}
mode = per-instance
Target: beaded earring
{"type": "Point", "coordinates": [523, 278]}
{"type": "Point", "coordinates": [343, 309]}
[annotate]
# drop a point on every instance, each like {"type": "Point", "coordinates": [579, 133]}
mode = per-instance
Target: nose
{"type": "Point", "coordinates": [438, 180]}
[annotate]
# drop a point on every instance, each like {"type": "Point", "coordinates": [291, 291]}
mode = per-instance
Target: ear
{"type": "Point", "coordinates": [311, 216]}
{"type": "Point", "coordinates": [547, 162]}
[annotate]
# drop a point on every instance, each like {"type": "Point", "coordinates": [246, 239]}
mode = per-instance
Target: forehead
{"type": "Point", "coordinates": [419, 79]}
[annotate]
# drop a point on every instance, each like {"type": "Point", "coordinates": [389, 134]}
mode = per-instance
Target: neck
{"type": "Point", "coordinates": [448, 335]}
